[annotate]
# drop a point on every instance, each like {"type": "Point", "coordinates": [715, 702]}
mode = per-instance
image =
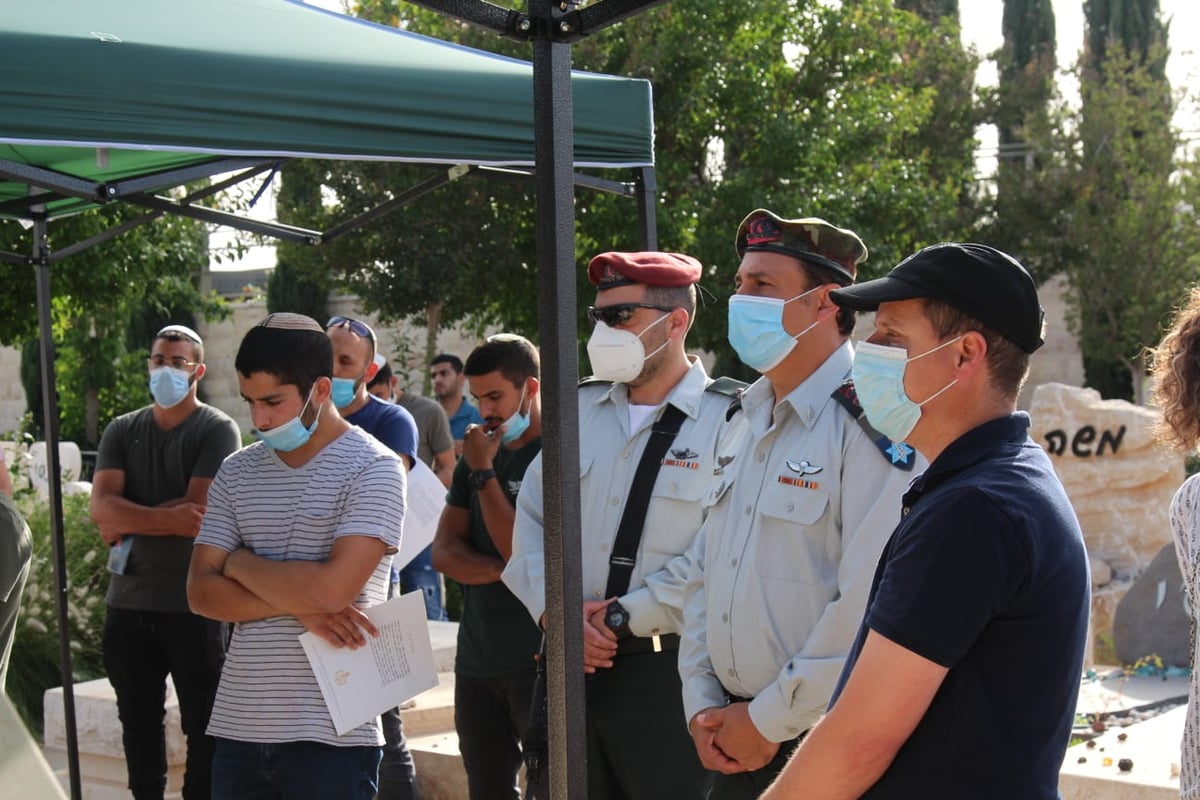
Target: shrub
{"type": "Point", "coordinates": [34, 666]}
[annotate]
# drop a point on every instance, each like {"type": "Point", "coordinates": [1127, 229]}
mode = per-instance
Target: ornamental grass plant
{"type": "Point", "coordinates": [34, 665]}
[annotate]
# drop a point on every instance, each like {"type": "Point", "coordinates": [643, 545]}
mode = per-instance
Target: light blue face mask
{"type": "Point", "coordinates": [169, 385]}
{"type": "Point", "coordinates": [291, 434]}
{"type": "Point", "coordinates": [878, 374]}
{"type": "Point", "coordinates": [516, 425]}
{"type": "Point", "coordinates": [756, 330]}
{"type": "Point", "coordinates": [343, 392]}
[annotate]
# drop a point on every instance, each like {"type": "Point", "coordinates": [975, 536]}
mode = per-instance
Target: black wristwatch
{"type": "Point", "coordinates": [479, 477]}
{"type": "Point", "coordinates": [616, 617]}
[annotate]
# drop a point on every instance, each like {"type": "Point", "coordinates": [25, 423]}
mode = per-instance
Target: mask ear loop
{"type": "Point", "coordinates": [658, 349]}
{"type": "Point", "coordinates": [796, 338]}
{"type": "Point", "coordinates": [945, 388]}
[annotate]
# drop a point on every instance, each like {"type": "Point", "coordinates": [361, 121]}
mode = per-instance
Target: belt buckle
{"type": "Point", "coordinates": [656, 643]}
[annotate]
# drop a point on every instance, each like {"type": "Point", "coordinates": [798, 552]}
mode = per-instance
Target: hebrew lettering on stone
{"type": "Point", "coordinates": [1110, 442]}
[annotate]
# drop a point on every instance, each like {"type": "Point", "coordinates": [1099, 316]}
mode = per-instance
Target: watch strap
{"type": "Point", "coordinates": [479, 477]}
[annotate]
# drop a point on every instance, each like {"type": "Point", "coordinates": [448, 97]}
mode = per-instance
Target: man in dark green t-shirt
{"type": "Point", "coordinates": [497, 640]}
{"type": "Point", "coordinates": [149, 494]}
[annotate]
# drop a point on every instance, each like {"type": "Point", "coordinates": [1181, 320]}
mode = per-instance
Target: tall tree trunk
{"type": "Point", "coordinates": [433, 323]}
{"type": "Point", "coordinates": [91, 419]}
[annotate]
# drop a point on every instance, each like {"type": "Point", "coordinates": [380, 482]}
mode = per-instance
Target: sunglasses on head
{"type": "Point", "coordinates": [355, 326]}
{"type": "Point", "coordinates": [618, 313]}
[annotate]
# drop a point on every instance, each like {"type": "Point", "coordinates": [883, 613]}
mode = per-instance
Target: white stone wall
{"type": "Point", "coordinates": [1059, 361]}
{"type": "Point", "coordinates": [12, 396]}
{"type": "Point", "coordinates": [404, 343]}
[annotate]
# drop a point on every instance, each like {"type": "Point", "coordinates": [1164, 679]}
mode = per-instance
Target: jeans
{"type": "Point", "coordinates": [397, 773]}
{"type": "Point", "coordinates": [491, 716]}
{"type": "Point", "coordinates": [293, 771]}
{"type": "Point", "coordinates": [140, 649]}
{"type": "Point", "coordinates": [420, 574]}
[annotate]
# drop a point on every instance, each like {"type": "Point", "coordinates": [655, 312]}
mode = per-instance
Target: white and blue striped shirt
{"type": "Point", "coordinates": [353, 487]}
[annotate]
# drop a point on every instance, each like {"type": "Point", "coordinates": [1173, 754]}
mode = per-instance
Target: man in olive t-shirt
{"type": "Point", "coordinates": [494, 667]}
{"type": "Point", "coordinates": [149, 494]}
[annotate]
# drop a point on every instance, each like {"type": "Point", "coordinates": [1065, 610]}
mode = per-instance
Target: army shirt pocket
{"type": "Point", "coordinates": [791, 535]}
{"type": "Point", "coordinates": [676, 510]}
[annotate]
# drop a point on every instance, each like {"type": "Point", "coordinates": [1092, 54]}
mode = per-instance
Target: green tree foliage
{"type": "Point", "coordinates": [1135, 28]}
{"type": "Point", "coordinates": [1129, 149]}
{"type": "Point", "coordinates": [860, 113]}
{"type": "Point", "coordinates": [104, 300]}
{"type": "Point", "coordinates": [34, 666]}
{"type": "Point", "coordinates": [300, 281]}
{"type": "Point", "coordinates": [1132, 220]}
{"type": "Point", "coordinates": [1029, 198]}
{"type": "Point", "coordinates": [1027, 65]}
{"type": "Point", "coordinates": [931, 11]}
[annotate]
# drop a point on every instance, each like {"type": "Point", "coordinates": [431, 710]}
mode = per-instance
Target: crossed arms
{"type": "Point", "coordinates": [241, 586]}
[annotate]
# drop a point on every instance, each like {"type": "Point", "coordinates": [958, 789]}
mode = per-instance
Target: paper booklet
{"type": "Point", "coordinates": [359, 684]}
{"type": "Point", "coordinates": [425, 499]}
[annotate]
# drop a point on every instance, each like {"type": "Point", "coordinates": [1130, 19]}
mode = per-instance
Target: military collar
{"type": "Point", "coordinates": [807, 401]}
{"type": "Point", "coordinates": [686, 396]}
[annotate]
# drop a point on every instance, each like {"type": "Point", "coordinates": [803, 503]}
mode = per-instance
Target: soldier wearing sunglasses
{"type": "Point", "coordinates": [642, 506]}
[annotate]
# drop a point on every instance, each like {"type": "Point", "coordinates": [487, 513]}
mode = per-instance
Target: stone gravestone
{"type": "Point", "coordinates": [1120, 482]}
{"type": "Point", "coordinates": [1152, 618]}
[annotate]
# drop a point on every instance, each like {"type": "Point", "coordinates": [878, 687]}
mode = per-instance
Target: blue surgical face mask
{"type": "Point", "coordinates": [516, 425]}
{"type": "Point", "coordinates": [343, 392]}
{"type": "Point", "coordinates": [756, 330]}
{"type": "Point", "coordinates": [878, 374]}
{"type": "Point", "coordinates": [169, 385]}
{"type": "Point", "coordinates": [291, 434]}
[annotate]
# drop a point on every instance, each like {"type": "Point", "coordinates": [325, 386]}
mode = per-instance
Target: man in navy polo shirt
{"type": "Point", "coordinates": [964, 676]}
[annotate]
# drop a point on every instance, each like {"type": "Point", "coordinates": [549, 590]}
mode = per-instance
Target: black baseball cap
{"type": "Point", "coordinates": [978, 280]}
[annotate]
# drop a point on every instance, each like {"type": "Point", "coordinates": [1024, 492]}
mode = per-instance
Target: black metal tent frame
{"type": "Point", "coordinates": [550, 26]}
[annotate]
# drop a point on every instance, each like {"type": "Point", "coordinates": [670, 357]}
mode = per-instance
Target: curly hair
{"type": "Point", "coordinates": [1175, 365]}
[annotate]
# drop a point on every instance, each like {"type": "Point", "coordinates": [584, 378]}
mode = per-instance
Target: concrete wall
{"type": "Point", "coordinates": [12, 396]}
{"type": "Point", "coordinates": [1058, 361]}
{"type": "Point", "coordinates": [403, 345]}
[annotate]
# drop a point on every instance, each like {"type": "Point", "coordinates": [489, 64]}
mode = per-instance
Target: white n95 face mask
{"type": "Point", "coordinates": [618, 355]}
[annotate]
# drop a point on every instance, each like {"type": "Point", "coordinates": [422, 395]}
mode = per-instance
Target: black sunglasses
{"type": "Point", "coordinates": [618, 313]}
{"type": "Point", "coordinates": [355, 326]}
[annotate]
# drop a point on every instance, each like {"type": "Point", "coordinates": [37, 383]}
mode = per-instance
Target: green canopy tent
{"type": "Point", "coordinates": [122, 100]}
{"type": "Point", "coordinates": [106, 99]}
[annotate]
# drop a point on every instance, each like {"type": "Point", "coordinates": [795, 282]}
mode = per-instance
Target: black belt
{"type": "Point", "coordinates": [635, 645]}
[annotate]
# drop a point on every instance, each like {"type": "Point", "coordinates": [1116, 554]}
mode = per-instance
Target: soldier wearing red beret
{"type": "Point", "coordinates": [651, 423]}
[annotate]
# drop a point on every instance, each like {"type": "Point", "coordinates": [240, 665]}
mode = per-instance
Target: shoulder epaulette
{"type": "Point", "coordinates": [730, 387]}
{"type": "Point", "coordinates": [898, 454]}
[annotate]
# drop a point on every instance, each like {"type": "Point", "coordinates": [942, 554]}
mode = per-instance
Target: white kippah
{"type": "Point", "coordinates": [179, 330]}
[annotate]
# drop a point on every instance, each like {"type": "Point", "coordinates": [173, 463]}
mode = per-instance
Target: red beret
{"type": "Point", "coordinates": [609, 270]}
